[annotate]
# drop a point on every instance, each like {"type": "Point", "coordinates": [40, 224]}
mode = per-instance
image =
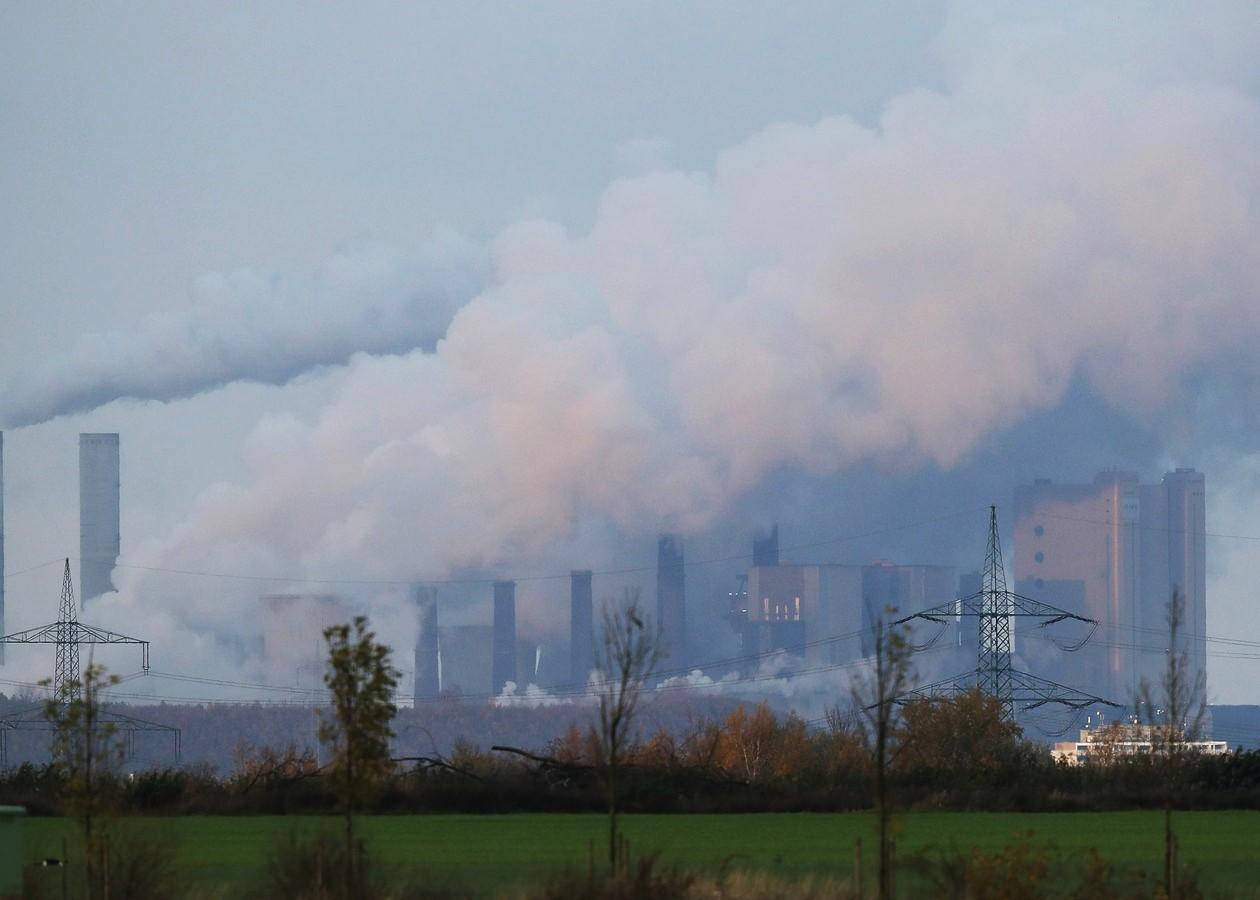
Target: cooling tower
{"type": "Point", "coordinates": [98, 514]}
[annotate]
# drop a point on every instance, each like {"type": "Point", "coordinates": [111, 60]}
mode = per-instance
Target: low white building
{"type": "Point", "coordinates": [1108, 743]}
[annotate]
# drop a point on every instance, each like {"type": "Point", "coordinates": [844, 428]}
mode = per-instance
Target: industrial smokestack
{"type": "Point", "coordinates": [503, 641]}
{"type": "Point", "coordinates": [581, 632]}
{"type": "Point", "coordinates": [98, 514]}
{"type": "Point", "coordinates": [428, 684]}
{"type": "Point", "coordinates": [3, 630]}
{"type": "Point", "coordinates": [671, 597]}
{"type": "Point", "coordinates": [766, 549]}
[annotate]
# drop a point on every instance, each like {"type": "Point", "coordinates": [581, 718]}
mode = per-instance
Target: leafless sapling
{"type": "Point", "coordinates": [875, 695]}
{"type": "Point", "coordinates": [629, 649]}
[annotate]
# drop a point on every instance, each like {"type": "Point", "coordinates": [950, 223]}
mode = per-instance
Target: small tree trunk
{"type": "Point", "coordinates": [857, 867]}
{"type": "Point", "coordinates": [1169, 887]}
{"type": "Point", "coordinates": [349, 873]}
{"type": "Point", "coordinates": [881, 801]}
{"type": "Point", "coordinates": [612, 815]}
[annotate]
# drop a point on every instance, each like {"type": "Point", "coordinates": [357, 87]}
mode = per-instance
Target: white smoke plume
{"type": "Point", "coordinates": [826, 295]}
{"type": "Point", "coordinates": [266, 327]}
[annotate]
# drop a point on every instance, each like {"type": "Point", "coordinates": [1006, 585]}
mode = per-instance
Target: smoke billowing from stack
{"type": "Point", "coordinates": [581, 626]}
{"type": "Point", "coordinates": [710, 329]}
{"type": "Point", "coordinates": [258, 326]}
{"type": "Point", "coordinates": [98, 514]}
{"type": "Point", "coordinates": [428, 679]}
{"type": "Point", "coordinates": [503, 641]}
{"type": "Point", "coordinates": [671, 597]}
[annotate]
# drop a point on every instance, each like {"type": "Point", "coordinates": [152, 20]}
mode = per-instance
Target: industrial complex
{"type": "Point", "coordinates": [1112, 553]}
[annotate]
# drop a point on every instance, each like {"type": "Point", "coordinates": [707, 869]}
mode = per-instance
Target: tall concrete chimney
{"type": "Point", "coordinates": [766, 549]}
{"type": "Point", "coordinates": [503, 640]}
{"type": "Point", "coordinates": [671, 597]}
{"type": "Point", "coordinates": [581, 627]}
{"type": "Point", "coordinates": [98, 514]}
{"type": "Point", "coordinates": [428, 685]}
{"type": "Point", "coordinates": [3, 630]}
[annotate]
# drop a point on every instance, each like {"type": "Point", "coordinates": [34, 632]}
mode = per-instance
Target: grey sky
{"type": "Point", "coordinates": [146, 148]}
{"type": "Point", "coordinates": [148, 145]}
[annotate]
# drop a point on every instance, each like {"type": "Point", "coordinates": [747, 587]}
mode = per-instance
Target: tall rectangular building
{"type": "Point", "coordinates": [890, 591]}
{"type": "Point", "coordinates": [581, 627]}
{"type": "Point", "coordinates": [428, 684]}
{"type": "Point", "coordinates": [671, 598]}
{"type": "Point", "coordinates": [766, 549]}
{"type": "Point", "coordinates": [3, 630]}
{"type": "Point", "coordinates": [503, 637]}
{"type": "Point", "coordinates": [98, 514]}
{"type": "Point", "coordinates": [824, 612]}
{"type": "Point", "coordinates": [1185, 490]}
{"type": "Point", "coordinates": [1114, 551]}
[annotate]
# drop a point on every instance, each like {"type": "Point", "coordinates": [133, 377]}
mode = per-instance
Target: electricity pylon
{"type": "Point", "coordinates": [68, 633]}
{"type": "Point", "coordinates": [994, 607]}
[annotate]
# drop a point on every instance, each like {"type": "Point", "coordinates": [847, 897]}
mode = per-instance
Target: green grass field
{"type": "Point", "coordinates": [489, 852]}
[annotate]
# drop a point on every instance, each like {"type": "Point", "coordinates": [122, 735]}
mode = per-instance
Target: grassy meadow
{"type": "Point", "coordinates": [489, 853]}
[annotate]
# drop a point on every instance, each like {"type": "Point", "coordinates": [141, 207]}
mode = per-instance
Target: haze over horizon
{"type": "Point", "coordinates": [454, 293]}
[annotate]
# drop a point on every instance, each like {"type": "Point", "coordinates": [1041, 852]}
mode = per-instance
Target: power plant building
{"type": "Point", "coordinates": [824, 612]}
{"type": "Point", "coordinates": [98, 514]}
{"type": "Point", "coordinates": [503, 652]}
{"type": "Point", "coordinates": [294, 648]}
{"type": "Point", "coordinates": [766, 549]}
{"type": "Point", "coordinates": [466, 660]}
{"type": "Point", "coordinates": [1115, 551]}
{"type": "Point", "coordinates": [581, 627]}
{"type": "Point", "coordinates": [428, 684]}
{"type": "Point", "coordinates": [671, 598]}
{"type": "Point", "coordinates": [3, 630]}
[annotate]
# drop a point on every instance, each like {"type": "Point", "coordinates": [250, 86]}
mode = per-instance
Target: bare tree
{"type": "Point", "coordinates": [84, 750]}
{"type": "Point", "coordinates": [630, 648]}
{"type": "Point", "coordinates": [875, 695]}
{"type": "Point", "coordinates": [1176, 713]}
{"type": "Point", "coordinates": [362, 683]}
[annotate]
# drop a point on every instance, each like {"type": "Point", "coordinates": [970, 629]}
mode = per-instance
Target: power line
{"type": "Point", "coordinates": [35, 568]}
{"type": "Point", "coordinates": [627, 570]}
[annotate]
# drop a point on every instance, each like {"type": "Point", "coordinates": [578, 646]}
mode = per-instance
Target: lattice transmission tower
{"type": "Point", "coordinates": [68, 633]}
{"type": "Point", "coordinates": [995, 608]}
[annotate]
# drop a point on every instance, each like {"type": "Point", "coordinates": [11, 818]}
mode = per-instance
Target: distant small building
{"type": "Point", "coordinates": [1109, 743]}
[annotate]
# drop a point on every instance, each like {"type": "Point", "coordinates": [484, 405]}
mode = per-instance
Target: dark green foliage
{"type": "Point", "coordinates": [133, 862]}
{"type": "Point", "coordinates": [641, 878]}
{"type": "Point", "coordinates": [310, 867]}
{"type": "Point", "coordinates": [360, 726]}
{"type": "Point", "coordinates": [306, 867]}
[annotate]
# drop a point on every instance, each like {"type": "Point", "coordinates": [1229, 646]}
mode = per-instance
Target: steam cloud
{"type": "Point", "coordinates": [256, 326]}
{"type": "Point", "coordinates": [828, 294]}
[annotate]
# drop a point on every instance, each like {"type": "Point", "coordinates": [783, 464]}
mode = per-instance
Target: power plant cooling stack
{"type": "Point", "coordinates": [428, 678]}
{"type": "Point", "coordinates": [671, 598]}
{"type": "Point", "coordinates": [766, 549]}
{"type": "Point", "coordinates": [503, 641]}
{"type": "Point", "coordinates": [581, 631]}
{"type": "Point", "coordinates": [2, 628]}
{"type": "Point", "coordinates": [98, 514]}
